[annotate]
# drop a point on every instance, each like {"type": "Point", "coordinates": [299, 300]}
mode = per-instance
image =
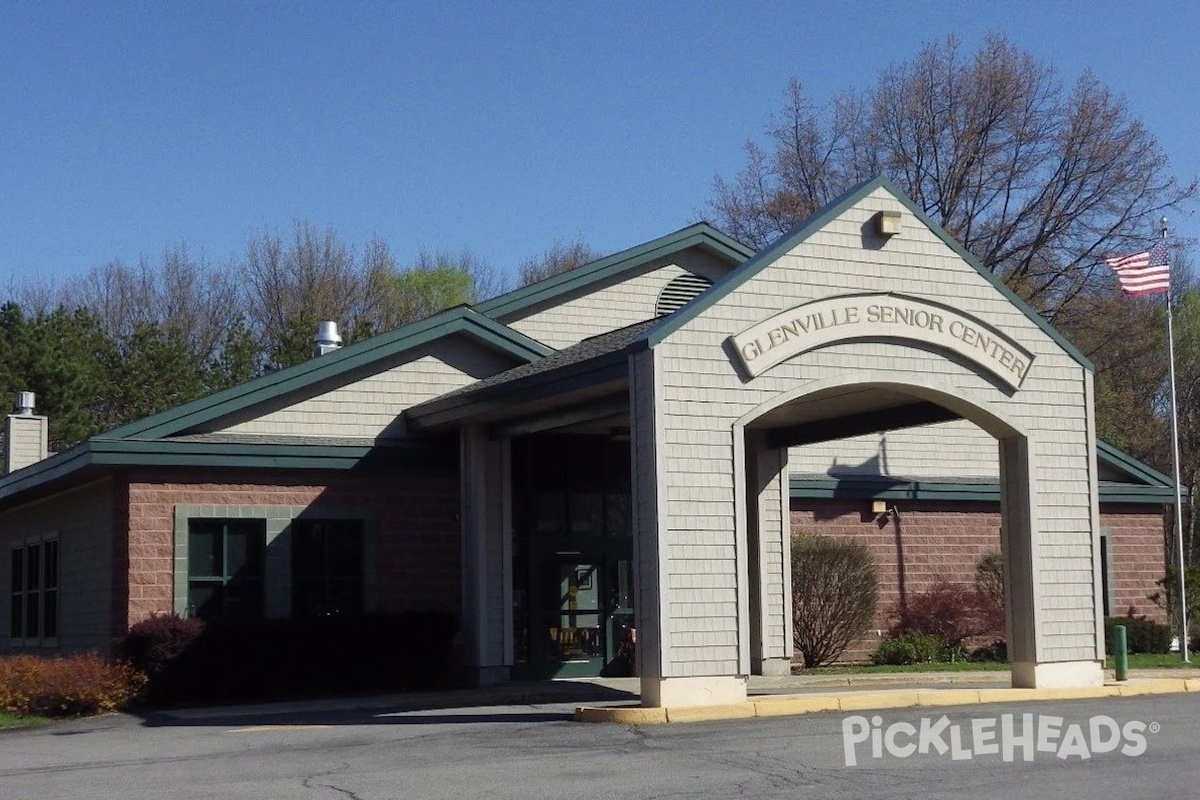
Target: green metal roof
{"type": "Point", "coordinates": [96, 455]}
{"type": "Point", "coordinates": [1147, 486]}
{"type": "Point", "coordinates": [929, 491]}
{"type": "Point", "coordinates": [700, 235]}
{"type": "Point", "coordinates": [816, 222]}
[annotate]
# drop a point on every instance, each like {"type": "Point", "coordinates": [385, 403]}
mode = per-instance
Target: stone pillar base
{"type": "Point", "coordinates": [479, 677]}
{"type": "Point", "coordinates": [1057, 675]}
{"type": "Point", "coordinates": [705, 691]}
{"type": "Point", "coordinates": [774, 667]}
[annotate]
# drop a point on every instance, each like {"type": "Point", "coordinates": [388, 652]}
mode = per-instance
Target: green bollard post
{"type": "Point", "coordinates": [1119, 655]}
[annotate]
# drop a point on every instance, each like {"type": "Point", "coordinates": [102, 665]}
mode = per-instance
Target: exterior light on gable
{"type": "Point", "coordinates": [888, 223]}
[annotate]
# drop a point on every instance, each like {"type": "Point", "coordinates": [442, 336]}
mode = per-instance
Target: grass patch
{"type": "Point", "coordinates": [940, 666]}
{"type": "Point", "coordinates": [1154, 661]}
{"type": "Point", "coordinates": [1136, 661]}
{"type": "Point", "coordinates": [11, 721]}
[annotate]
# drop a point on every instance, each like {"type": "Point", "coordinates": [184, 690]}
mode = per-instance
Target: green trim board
{"type": "Point", "coordinates": [98, 454]}
{"type": "Point", "coordinates": [883, 489]}
{"type": "Point", "coordinates": [1149, 487]}
{"type": "Point", "coordinates": [456, 321]}
{"type": "Point", "coordinates": [700, 235]}
{"type": "Point", "coordinates": [816, 222]}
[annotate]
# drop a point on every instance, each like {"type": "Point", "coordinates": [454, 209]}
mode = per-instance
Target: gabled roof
{"type": "Point", "coordinates": [149, 441]}
{"type": "Point", "coordinates": [816, 222]}
{"type": "Point", "coordinates": [456, 321]}
{"type": "Point", "coordinates": [1129, 466]}
{"type": "Point", "coordinates": [596, 360]}
{"type": "Point", "coordinates": [701, 235]}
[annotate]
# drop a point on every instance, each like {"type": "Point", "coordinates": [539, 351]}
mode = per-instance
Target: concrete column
{"type": "Point", "coordinates": [486, 558]}
{"type": "Point", "coordinates": [768, 529]}
{"type": "Point", "coordinates": [661, 681]}
{"type": "Point", "coordinates": [1023, 579]}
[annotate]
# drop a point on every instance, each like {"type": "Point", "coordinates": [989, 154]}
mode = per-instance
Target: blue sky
{"type": "Point", "coordinates": [498, 127]}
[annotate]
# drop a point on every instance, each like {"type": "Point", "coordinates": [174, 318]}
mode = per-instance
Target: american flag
{"type": "Point", "coordinates": [1143, 273]}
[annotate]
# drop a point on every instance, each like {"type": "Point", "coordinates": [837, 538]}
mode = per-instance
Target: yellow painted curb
{"type": "Point", "coordinates": [1192, 684]}
{"type": "Point", "coordinates": [1079, 693]}
{"type": "Point", "coordinates": [1008, 695]}
{"type": "Point", "coordinates": [872, 700]}
{"type": "Point", "coordinates": [788, 705]}
{"type": "Point", "coordinates": [622, 716]}
{"type": "Point", "coordinates": [1164, 686]}
{"type": "Point", "coordinates": [948, 697]}
{"type": "Point", "coordinates": [709, 713]}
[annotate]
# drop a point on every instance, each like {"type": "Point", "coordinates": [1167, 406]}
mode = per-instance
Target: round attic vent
{"type": "Point", "coordinates": [680, 291]}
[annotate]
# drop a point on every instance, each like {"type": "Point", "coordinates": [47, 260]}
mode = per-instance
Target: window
{"type": "Point", "coordinates": [327, 568]}
{"type": "Point", "coordinates": [34, 611]}
{"type": "Point", "coordinates": [226, 558]}
{"type": "Point", "coordinates": [1106, 572]}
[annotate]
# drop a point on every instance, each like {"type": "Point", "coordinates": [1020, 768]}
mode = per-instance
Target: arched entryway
{"type": "Point", "coordinates": [839, 408]}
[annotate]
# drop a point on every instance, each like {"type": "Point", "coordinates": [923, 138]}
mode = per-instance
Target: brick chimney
{"type": "Point", "coordinates": [25, 435]}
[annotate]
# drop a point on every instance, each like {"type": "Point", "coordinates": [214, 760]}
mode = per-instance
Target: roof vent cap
{"type": "Point", "coordinates": [25, 403]}
{"type": "Point", "coordinates": [327, 339]}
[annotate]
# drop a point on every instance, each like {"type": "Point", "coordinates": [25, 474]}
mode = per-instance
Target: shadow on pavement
{"type": "Point", "coordinates": [462, 706]}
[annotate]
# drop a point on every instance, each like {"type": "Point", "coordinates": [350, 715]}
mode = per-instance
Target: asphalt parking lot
{"type": "Point", "coordinates": [535, 750]}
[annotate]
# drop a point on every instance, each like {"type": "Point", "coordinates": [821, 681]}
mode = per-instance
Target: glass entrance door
{"type": "Point", "coordinates": [576, 634]}
{"type": "Point", "coordinates": [572, 553]}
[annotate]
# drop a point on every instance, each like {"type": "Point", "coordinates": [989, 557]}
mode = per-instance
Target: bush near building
{"type": "Point", "coordinates": [190, 661]}
{"type": "Point", "coordinates": [1141, 635]}
{"type": "Point", "coordinates": [834, 592]}
{"type": "Point", "coordinates": [69, 686]}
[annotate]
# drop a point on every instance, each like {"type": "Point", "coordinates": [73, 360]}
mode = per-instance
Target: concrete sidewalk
{"type": "Point", "coordinates": [616, 699]}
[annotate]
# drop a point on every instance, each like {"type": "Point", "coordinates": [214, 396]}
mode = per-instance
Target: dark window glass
{"type": "Point", "coordinates": [33, 567]}
{"type": "Point", "coordinates": [50, 565]}
{"type": "Point", "coordinates": [50, 613]}
{"type": "Point", "coordinates": [18, 570]}
{"type": "Point", "coordinates": [16, 619]}
{"type": "Point", "coordinates": [204, 548]}
{"type": "Point", "coordinates": [32, 610]}
{"type": "Point", "coordinates": [327, 568]}
{"type": "Point", "coordinates": [225, 567]}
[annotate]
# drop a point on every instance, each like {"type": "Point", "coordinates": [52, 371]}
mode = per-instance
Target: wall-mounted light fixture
{"type": "Point", "coordinates": [881, 509]}
{"type": "Point", "coordinates": [888, 223]}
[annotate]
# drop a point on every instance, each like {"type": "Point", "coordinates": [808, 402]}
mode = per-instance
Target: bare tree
{"type": "Point", "coordinates": [555, 260]}
{"type": "Point", "coordinates": [1036, 180]}
{"type": "Point", "coordinates": [291, 286]}
{"type": "Point", "coordinates": [178, 291]}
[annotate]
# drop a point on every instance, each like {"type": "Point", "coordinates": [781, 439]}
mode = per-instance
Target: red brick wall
{"type": "Point", "coordinates": [1136, 541]}
{"type": "Point", "coordinates": [929, 541]}
{"type": "Point", "coordinates": [913, 550]}
{"type": "Point", "coordinates": [418, 528]}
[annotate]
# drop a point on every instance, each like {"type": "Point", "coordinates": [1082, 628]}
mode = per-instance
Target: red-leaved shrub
{"type": "Point", "coordinates": [67, 686]}
{"type": "Point", "coordinates": [951, 612]}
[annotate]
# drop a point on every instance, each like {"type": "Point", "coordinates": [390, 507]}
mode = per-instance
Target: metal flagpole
{"type": "Point", "coordinates": [1180, 567]}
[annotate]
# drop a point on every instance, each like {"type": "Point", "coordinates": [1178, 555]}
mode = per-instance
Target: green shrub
{"type": "Point", "coordinates": [996, 652]}
{"type": "Point", "coordinates": [279, 659]}
{"type": "Point", "coordinates": [834, 592]}
{"type": "Point", "coordinates": [910, 647]}
{"type": "Point", "coordinates": [66, 686]}
{"type": "Point", "coordinates": [1141, 635]}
